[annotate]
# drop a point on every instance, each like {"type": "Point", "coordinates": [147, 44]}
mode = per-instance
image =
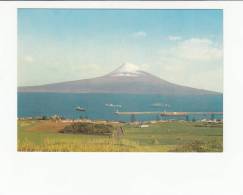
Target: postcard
{"type": "Point", "coordinates": [108, 80]}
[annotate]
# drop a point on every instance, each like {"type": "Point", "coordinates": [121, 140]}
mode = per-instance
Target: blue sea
{"type": "Point", "coordinates": [99, 106]}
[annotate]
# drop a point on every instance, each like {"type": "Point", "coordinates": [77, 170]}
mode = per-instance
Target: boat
{"type": "Point", "coordinates": [80, 109]}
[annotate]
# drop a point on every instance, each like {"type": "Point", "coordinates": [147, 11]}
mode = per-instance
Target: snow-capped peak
{"type": "Point", "coordinates": [127, 69]}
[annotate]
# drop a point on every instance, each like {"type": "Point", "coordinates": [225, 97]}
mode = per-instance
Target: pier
{"type": "Point", "coordinates": [172, 114]}
{"type": "Point", "coordinates": [169, 113]}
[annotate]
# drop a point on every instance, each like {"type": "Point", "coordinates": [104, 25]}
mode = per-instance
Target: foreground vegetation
{"type": "Point", "coordinates": [176, 136]}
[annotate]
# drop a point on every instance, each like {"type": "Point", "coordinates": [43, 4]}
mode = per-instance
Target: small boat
{"type": "Point", "coordinates": [113, 105]}
{"type": "Point", "coordinates": [80, 109]}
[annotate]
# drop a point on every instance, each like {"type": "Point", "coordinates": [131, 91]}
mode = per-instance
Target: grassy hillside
{"type": "Point", "coordinates": [176, 136]}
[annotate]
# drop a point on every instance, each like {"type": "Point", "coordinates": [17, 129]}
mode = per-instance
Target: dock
{"type": "Point", "coordinates": [169, 113]}
{"type": "Point", "coordinates": [136, 113]}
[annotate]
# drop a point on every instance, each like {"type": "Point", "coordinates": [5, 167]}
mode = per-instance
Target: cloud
{"type": "Point", "coordinates": [193, 62]}
{"type": "Point", "coordinates": [199, 49]}
{"type": "Point", "coordinates": [174, 38]}
{"type": "Point", "coordinates": [140, 34]}
{"type": "Point", "coordinates": [194, 49]}
{"type": "Point", "coordinates": [28, 59]}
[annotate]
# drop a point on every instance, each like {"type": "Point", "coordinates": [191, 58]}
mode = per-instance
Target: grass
{"type": "Point", "coordinates": [176, 136]}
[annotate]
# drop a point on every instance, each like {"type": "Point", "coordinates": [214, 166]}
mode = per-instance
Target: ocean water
{"type": "Point", "coordinates": [48, 104]}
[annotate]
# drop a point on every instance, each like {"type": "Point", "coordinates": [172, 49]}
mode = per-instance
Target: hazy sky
{"type": "Point", "coordinates": [181, 46]}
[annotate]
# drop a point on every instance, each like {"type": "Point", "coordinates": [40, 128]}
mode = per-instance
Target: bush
{"type": "Point", "coordinates": [44, 118]}
{"type": "Point", "coordinates": [88, 128]}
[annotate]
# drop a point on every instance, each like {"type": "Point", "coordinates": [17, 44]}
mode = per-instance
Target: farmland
{"type": "Point", "coordinates": [162, 136]}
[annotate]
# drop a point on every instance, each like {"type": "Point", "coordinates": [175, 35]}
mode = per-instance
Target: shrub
{"type": "Point", "coordinates": [88, 128]}
{"type": "Point", "coordinates": [44, 118]}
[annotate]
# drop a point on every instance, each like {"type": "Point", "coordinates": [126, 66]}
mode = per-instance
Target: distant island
{"type": "Point", "coordinates": [127, 78]}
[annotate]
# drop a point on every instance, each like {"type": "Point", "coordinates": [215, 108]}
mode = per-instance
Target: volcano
{"type": "Point", "coordinates": [127, 78]}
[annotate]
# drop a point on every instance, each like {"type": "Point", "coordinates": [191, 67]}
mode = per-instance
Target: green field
{"type": "Point", "coordinates": [176, 136]}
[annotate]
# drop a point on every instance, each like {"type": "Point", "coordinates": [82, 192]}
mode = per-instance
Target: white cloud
{"type": "Point", "coordinates": [199, 49]}
{"type": "Point", "coordinates": [140, 34]}
{"type": "Point", "coordinates": [194, 49]}
{"type": "Point", "coordinates": [28, 59]}
{"type": "Point", "coordinates": [174, 38]}
{"type": "Point", "coordinates": [193, 62]}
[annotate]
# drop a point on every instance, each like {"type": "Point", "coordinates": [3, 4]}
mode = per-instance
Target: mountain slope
{"type": "Point", "coordinates": [127, 78]}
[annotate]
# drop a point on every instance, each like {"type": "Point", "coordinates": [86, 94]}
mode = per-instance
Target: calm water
{"type": "Point", "coordinates": [47, 104]}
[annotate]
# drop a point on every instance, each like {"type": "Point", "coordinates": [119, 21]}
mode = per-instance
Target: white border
{"type": "Point", "coordinates": [123, 4]}
{"type": "Point", "coordinates": [124, 173]}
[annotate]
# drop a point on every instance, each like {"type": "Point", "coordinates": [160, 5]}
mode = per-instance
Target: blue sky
{"type": "Point", "coordinates": [181, 46]}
